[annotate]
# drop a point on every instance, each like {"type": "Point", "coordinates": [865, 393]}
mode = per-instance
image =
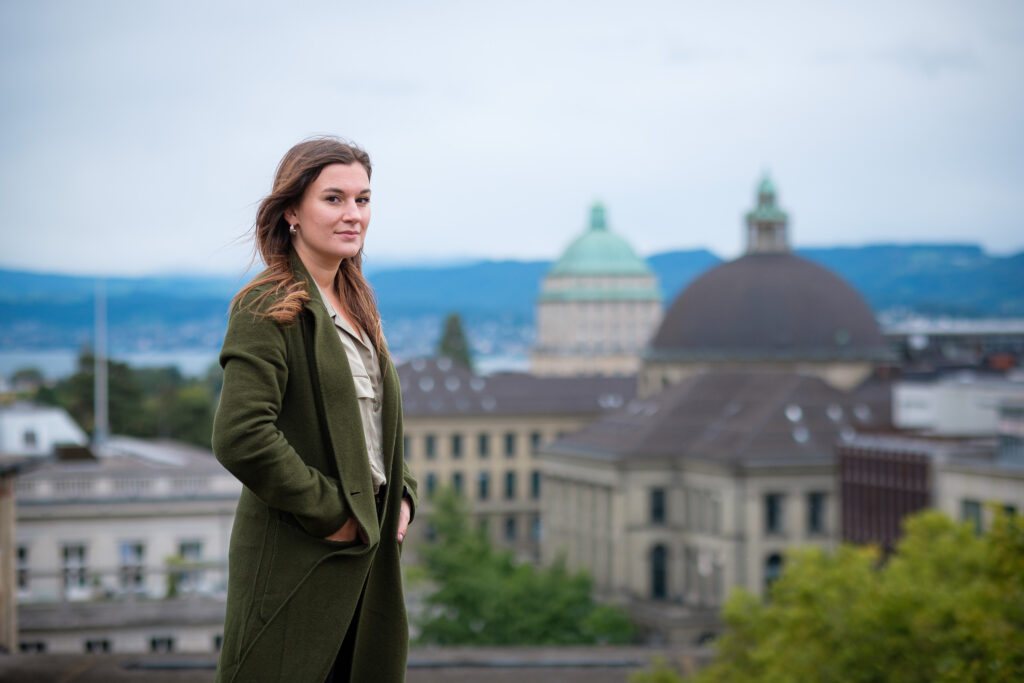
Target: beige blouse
{"type": "Point", "coordinates": [362, 359]}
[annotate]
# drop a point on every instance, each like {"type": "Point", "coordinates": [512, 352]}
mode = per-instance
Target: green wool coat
{"type": "Point", "coordinates": [289, 428]}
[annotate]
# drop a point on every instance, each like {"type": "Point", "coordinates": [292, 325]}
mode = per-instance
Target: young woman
{"type": "Point", "coordinates": [310, 421]}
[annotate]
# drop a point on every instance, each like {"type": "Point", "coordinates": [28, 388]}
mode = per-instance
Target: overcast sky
{"type": "Point", "coordinates": [138, 137]}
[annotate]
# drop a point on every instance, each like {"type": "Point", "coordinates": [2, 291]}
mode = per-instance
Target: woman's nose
{"type": "Point", "coordinates": [351, 212]}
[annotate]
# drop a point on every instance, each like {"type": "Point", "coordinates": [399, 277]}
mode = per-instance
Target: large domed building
{"type": "Point", "coordinates": [726, 458]}
{"type": "Point", "coordinates": [768, 309]}
{"type": "Point", "coordinates": [598, 306]}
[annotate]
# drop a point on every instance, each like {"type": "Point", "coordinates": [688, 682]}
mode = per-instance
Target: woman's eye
{"type": "Point", "coordinates": [363, 200]}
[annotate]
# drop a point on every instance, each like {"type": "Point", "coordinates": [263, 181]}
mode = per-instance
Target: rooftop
{"type": "Point", "coordinates": [437, 386]}
{"type": "Point", "coordinates": [740, 417]}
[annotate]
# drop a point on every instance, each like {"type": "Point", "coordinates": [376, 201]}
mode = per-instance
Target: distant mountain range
{"type": "Point", "coordinates": [496, 298]}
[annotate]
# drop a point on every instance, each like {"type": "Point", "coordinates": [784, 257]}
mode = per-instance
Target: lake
{"type": "Point", "coordinates": [58, 363]}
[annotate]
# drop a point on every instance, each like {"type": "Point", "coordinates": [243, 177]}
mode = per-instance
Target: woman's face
{"type": "Point", "coordinates": [332, 216]}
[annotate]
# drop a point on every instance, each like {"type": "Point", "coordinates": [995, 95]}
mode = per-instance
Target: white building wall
{"type": "Point", "coordinates": [963, 405]}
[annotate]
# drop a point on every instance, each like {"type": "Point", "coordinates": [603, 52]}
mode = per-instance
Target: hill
{"type": "Point", "coordinates": [496, 298]}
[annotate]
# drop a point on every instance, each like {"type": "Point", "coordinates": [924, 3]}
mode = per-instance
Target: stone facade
{"type": "Point", "coordinates": [481, 436]}
{"type": "Point", "coordinates": [102, 540]}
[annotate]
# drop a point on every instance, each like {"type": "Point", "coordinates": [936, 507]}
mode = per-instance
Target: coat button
{"type": "Point", "coordinates": [376, 405]}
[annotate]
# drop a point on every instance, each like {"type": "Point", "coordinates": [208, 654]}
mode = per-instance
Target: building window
{"type": "Point", "coordinates": [510, 528]}
{"type": "Point", "coordinates": [34, 646]}
{"type": "Point", "coordinates": [716, 515]}
{"type": "Point", "coordinates": [510, 444]}
{"type": "Point", "coordinates": [22, 568]}
{"type": "Point", "coordinates": [510, 485]}
{"type": "Point", "coordinates": [133, 557]}
{"type": "Point", "coordinates": [74, 558]}
{"type": "Point", "coordinates": [535, 442]}
{"type": "Point", "coordinates": [456, 445]}
{"type": "Point", "coordinates": [30, 438]}
{"type": "Point", "coordinates": [816, 512]}
{"type": "Point", "coordinates": [690, 576]}
{"type": "Point", "coordinates": [535, 529]}
{"type": "Point", "coordinates": [703, 509]}
{"type": "Point", "coordinates": [431, 483]}
{"type": "Point", "coordinates": [161, 644]}
{"type": "Point", "coordinates": [483, 445]}
{"type": "Point", "coordinates": [405, 447]}
{"type": "Point", "coordinates": [772, 569]}
{"type": "Point", "coordinates": [773, 509]}
{"type": "Point", "coordinates": [218, 642]}
{"type": "Point", "coordinates": [659, 572]}
{"type": "Point", "coordinates": [484, 486]}
{"type": "Point", "coordinates": [430, 446]}
{"type": "Point", "coordinates": [657, 506]}
{"type": "Point", "coordinates": [457, 481]}
{"type": "Point", "coordinates": [970, 511]}
{"type": "Point", "coordinates": [191, 553]}
{"type": "Point", "coordinates": [535, 484]}
{"type": "Point", "coordinates": [97, 645]}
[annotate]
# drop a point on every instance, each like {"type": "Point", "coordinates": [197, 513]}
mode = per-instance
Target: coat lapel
{"type": "Point", "coordinates": [341, 409]}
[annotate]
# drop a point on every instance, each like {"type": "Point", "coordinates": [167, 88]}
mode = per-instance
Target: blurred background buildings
{"type": "Point", "coordinates": [672, 458]}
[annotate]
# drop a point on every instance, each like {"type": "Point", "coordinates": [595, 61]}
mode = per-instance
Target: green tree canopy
{"type": "Point", "coordinates": [453, 342]}
{"type": "Point", "coordinates": [27, 375]}
{"type": "Point", "coordinates": [485, 598]}
{"type": "Point", "coordinates": [144, 402]}
{"type": "Point", "coordinates": [948, 605]}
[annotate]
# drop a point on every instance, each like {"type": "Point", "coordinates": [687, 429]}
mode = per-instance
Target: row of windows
{"type": "Point", "coordinates": [131, 568]}
{"type": "Point", "coordinates": [703, 511]}
{"type": "Point", "coordinates": [702, 573]}
{"type": "Point", "coordinates": [483, 484]}
{"type": "Point", "coordinates": [510, 528]}
{"type": "Point", "coordinates": [457, 444]}
{"type": "Point", "coordinates": [775, 513]}
{"type": "Point", "coordinates": [102, 645]}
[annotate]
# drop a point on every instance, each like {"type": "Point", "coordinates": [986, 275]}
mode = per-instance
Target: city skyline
{"type": "Point", "coordinates": [139, 138]}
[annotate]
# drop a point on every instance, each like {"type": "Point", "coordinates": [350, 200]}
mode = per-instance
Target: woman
{"type": "Point", "coordinates": [310, 421]}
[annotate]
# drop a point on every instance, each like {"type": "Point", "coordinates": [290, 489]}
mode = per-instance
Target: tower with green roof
{"type": "Point", "coordinates": [767, 224]}
{"type": "Point", "coordinates": [599, 305]}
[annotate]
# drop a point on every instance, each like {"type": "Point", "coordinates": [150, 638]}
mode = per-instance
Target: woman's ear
{"type": "Point", "coordinates": [291, 215]}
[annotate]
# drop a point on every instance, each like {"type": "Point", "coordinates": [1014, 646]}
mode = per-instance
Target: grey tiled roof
{"type": "Point", "coordinates": [734, 416]}
{"type": "Point", "coordinates": [436, 386]}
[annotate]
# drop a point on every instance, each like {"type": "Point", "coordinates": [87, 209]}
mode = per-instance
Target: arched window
{"type": "Point", "coordinates": [772, 569]}
{"type": "Point", "coordinates": [659, 572]}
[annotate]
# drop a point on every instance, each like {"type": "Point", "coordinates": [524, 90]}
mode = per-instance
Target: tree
{"type": "Point", "coordinates": [948, 605]}
{"type": "Point", "coordinates": [453, 342]}
{"type": "Point", "coordinates": [144, 402]}
{"type": "Point", "coordinates": [27, 376]}
{"type": "Point", "coordinates": [485, 598]}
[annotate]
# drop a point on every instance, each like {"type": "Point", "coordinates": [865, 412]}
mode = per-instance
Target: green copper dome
{"type": "Point", "coordinates": [599, 251]}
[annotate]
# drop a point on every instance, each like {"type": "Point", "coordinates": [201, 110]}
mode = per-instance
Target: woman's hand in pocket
{"type": "Point", "coordinates": [348, 532]}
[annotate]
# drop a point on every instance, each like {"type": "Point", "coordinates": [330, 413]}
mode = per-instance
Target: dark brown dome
{"type": "Point", "coordinates": [768, 306]}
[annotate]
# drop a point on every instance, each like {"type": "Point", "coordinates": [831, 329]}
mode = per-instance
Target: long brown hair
{"type": "Point", "coordinates": [299, 167]}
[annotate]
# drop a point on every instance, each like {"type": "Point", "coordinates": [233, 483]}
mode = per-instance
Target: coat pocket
{"type": "Point", "coordinates": [292, 557]}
